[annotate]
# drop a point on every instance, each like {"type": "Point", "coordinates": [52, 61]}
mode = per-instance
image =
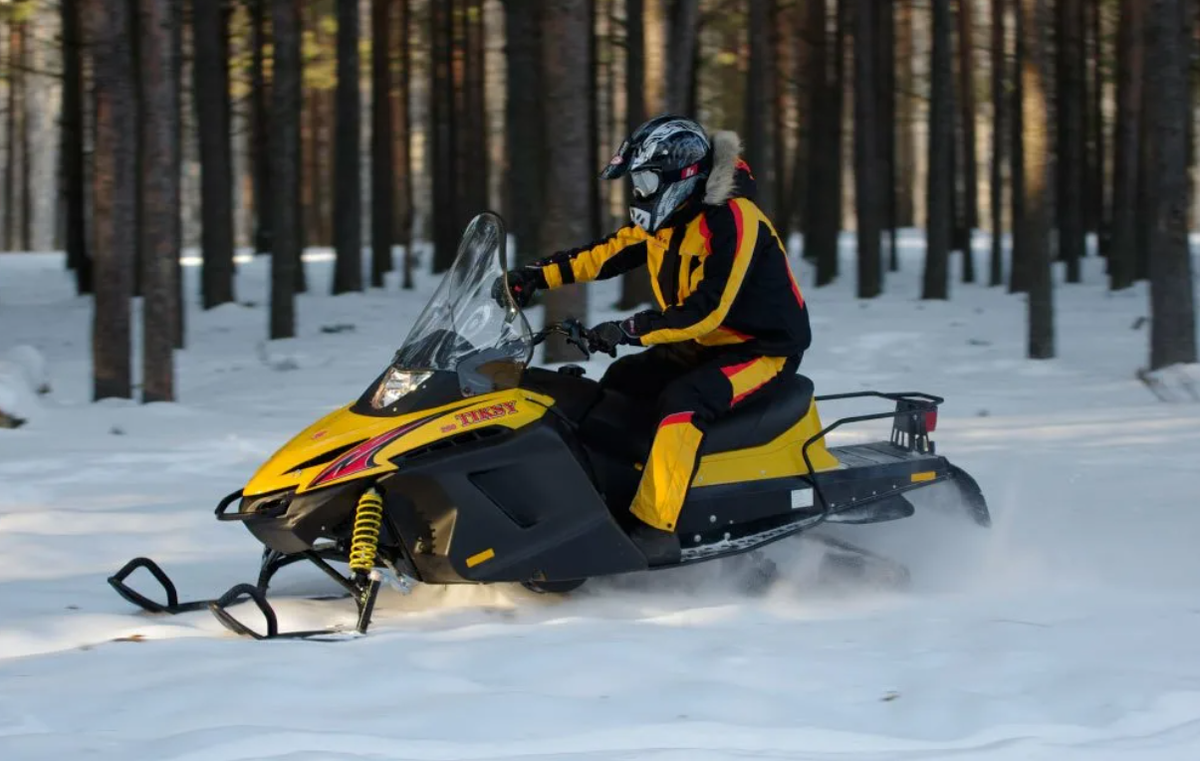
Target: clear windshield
{"type": "Point", "coordinates": [463, 326]}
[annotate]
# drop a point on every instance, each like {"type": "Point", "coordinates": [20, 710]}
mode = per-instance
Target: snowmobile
{"type": "Point", "coordinates": [461, 463]}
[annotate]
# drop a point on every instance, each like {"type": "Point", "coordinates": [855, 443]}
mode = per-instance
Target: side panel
{"type": "Point", "coordinates": [777, 459]}
{"type": "Point", "coordinates": [512, 507]}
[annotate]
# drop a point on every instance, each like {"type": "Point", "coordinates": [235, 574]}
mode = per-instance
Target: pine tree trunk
{"type": "Point", "coordinates": [298, 215]}
{"type": "Point", "coordinates": [778, 100]}
{"type": "Point", "coordinates": [797, 195]}
{"type": "Point", "coordinates": [1122, 250]}
{"type": "Point", "coordinates": [443, 138]}
{"type": "Point", "coordinates": [838, 107]}
{"type": "Point", "coordinates": [347, 199]}
{"type": "Point", "coordinates": [72, 147]}
{"type": "Point", "coordinates": [593, 143]}
{"type": "Point", "coordinates": [1035, 84]}
{"type": "Point", "coordinates": [10, 141]}
{"type": "Point", "coordinates": [284, 162]}
{"type": "Point", "coordinates": [684, 27]}
{"type": "Point", "coordinates": [523, 116]}
{"type": "Point", "coordinates": [400, 117]}
{"type": "Point", "coordinates": [885, 67]}
{"type": "Point", "coordinates": [1094, 214]}
{"type": "Point", "coordinates": [759, 148]}
{"type": "Point", "coordinates": [159, 114]}
{"type": "Point", "coordinates": [382, 164]}
{"type": "Point", "coordinates": [564, 213]}
{"type": "Point", "coordinates": [821, 222]}
{"type": "Point", "coordinates": [1019, 276]}
{"type": "Point", "coordinates": [996, 189]}
{"type": "Point", "coordinates": [177, 17]}
{"type": "Point", "coordinates": [866, 150]}
{"type": "Point", "coordinates": [22, 82]}
{"type": "Point", "coordinates": [635, 286]}
{"type": "Point", "coordinates": [1072, 98]}
{"type": "Point", "coordinates": [211, 75]}
{"type": "Point", "coordinates": [260, 128]}
{"type": "Point", "coordinates": [966, 73]}
{"type": "Point", "coordinates": [1172, 299]}
{"type": "Point", "coordinates": [476, 171]}
{"type": "Point", "coordinates": [906, 148]}
{"type": "Point", "coordinates": [940, 179]}
{"type": "Point", "coordinates": [113, 193]}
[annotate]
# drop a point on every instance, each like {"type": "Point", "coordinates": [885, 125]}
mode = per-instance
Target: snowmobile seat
{"type": "Point", "coordinates": [625, 427]}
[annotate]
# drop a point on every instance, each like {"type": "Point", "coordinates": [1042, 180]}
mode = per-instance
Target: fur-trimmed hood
{"type": "Point", "coordinates": [730, 176]}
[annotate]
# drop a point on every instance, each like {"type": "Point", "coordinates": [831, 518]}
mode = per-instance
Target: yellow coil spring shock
{"type": "Point", "coordinates": [368, 518]}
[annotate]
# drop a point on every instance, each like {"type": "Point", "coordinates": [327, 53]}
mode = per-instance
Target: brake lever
{"type": "Point", "coordinates": [577, 336]}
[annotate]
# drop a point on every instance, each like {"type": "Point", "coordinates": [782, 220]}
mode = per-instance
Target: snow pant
{"type": "Point", "coordinates": [693, 386]}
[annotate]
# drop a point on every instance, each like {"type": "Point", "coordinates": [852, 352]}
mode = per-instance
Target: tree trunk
{"type": "Point", "coordinates": [684, 28]}
{"type": "Point", "coordinates": [177, 16]}
{"type": "Point", "coordinates": [1094, 213]}
{"type": "Point", "coordinates": [966, 72]}
{"type": "Point", "coordinates": [635, 286]}
{"type": "Point", "coordinates": [798, 194]}
{"type": "Point", "coordinates": [996, 189]}
{"type": "Point", "coordinates": [475, 171]}
{"type": "Point", "coordinates": [866, 150]}
{"type": "Point", "coordinates": [160, 112]}
{"type": "Point", "coordinates": [347, 199]}
{"type": "Point", "coordinates": [885, 67]}
{"type": "Point", "coordinates": [906, 147]}
{"type": "Point", "coordinates": [1019, 276]}
{"type": "Point", "coordinates": [10, 139]}
{"type": "Point", "coordinates": [443, 139]}
{"type": "Point", "coordinates": [564, 213]}
{"type": "Point", "coordinates": [838, 107]}
{"type": "Point", "coordinates": [260, 128]}
{"type": "Point", "coordinates": [403, 172]}
{"type": "Point", "coordinates": [1035, 84]}
{"type": "Point", "coordinates": [593, 130]}
{"type": "Point", "coordinates": [759, 148]}
{"type": "Point", "coordinates": [1122, 250]}
{"type": "Point", "coordinates": [22, 82]}
{"type": "Point", "coordinates": [821, 223]}
{"type": "Point", "coordinates": [940, 178]}
{"type": "Point", "coordinates": [285, 147]}
{"type": "Point", "coordinates": [72, 147]}
{"type": "Point", "coordinates": [778, 99]}
{"type": "Point", "coordinates": [1172, 300]}
{"type": "Point", "coordinates": [211, 75]}
{"type": "Point", "coordinates": [523, 117]}
{"type": "Point", "coordinates": [298, 226]}
{"type": "Point", "coordinates": [1072, 98]}
{"type": "Point", "coordinates": [382, 164]}
{"type": "Point", "coordinates": [114, 190]}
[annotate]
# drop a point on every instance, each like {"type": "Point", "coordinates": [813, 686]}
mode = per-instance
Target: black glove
{"type": "Point", "coordinates": [607, 336]}
{"type": "Point", "coordinates": [521, 286]}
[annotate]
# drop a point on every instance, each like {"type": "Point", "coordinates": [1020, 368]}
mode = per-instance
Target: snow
{"type": "Point", "coordinates": [1066, 631]}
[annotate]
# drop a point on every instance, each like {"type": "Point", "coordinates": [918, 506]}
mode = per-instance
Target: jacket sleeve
{"type": "Point", "coordinates": [620, 252]}
{"type": "Point", "coordinates": [732, 233]}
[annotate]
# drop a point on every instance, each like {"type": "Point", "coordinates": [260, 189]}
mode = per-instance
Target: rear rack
{"type": "Point", "coordinates": [914, 417]}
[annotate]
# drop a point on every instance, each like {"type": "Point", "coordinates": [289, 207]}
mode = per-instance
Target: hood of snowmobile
{"type": "Point", "coordinates": [345, 446]}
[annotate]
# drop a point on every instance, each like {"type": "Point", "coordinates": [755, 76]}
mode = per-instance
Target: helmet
{"type": "Point", "coordinates": [666, 159]}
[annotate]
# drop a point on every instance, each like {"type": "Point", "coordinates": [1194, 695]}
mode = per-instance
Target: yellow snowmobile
{"type": "Point", "coordinates": [462, 464]}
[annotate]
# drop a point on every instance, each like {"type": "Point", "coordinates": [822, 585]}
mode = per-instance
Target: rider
{"type": "Point", "coordinates": [731, 319]}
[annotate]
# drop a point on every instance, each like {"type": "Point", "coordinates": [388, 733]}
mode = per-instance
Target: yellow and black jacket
{"type": "Point", "coordinates": [719, 272]}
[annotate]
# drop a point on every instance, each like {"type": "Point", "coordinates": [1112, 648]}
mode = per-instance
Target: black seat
{"type": "Point", "coordinates": [626, 427]}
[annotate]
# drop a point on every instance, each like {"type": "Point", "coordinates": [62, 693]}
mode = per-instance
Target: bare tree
{"type": "Point", "coordinates": [564, 213]}
{"type": "Point", "coordinates": [1122, 252]}
{"type": "Point", "coordinates": [635, 286]}
{"type": "Point", "coordinates": [940, 178]}
{"type": "Point", "coordinates": [71, 134]}
{"type": "Point", "coordinates": [260, 129]}
{"type": "Point", "coordinates": [400, 121]}
{"type": "Point", "coordinates": [906, 149]}
{"type": "Point", "coordinates": [1072, 98]}
{"type": "Point", "coordinates": [760, 78]}
{"type": "Point", "coordinates": [113, 192]}
{"type": "Point", "coordinates": [347, 200]}
{"type": "Point", "coordinates": [211, 76]}
{"type": "Point", "coordinates": [1172, 299]}
{"type": "Point", "coordinates": [444, 136]}
{"type": "Point", "coordinates": [684, 28]}
{"type": "Point", "coordinates": [160, 214]}
{"type": "Point", "coordinates": [996, 189]}
{"type": "Point", "coordinates": [821, 223]}
{"type": "Point", "coordinates": [866, 149]}
{"type": "Point", "coordinates": [382, 165]}
{"type": "Point", "coordinates": [966, 72]}
{"type": "Point", "coordinates": [285, 147]}
{"type": "Point", "coordinates": [1035, 81]}
{"type": "Point", "coordinates": [523, 117]}
{"type": "Point", "coordinates": [1018, 281]}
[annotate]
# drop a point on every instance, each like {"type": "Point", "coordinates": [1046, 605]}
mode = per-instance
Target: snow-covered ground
{"type": "Point", "coordinates": [1069, 630]}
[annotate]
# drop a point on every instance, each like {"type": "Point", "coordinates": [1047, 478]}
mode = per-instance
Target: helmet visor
{"type": "Point", "coordinates": [645, 183]}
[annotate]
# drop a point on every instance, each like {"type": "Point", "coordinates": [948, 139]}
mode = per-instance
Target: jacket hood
{"type": "Point", "coordinates": [730, 176]}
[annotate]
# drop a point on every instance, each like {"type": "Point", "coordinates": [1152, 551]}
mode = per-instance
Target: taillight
{"type": "Point", "coordinates": [931, 420]}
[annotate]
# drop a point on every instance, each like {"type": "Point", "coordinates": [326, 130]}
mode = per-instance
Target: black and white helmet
{"type": "Point", "coordinates": [666, 158]}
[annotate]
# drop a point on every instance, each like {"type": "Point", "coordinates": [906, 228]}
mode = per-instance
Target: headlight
{"type": "Point", "coordinates": [396, 384]}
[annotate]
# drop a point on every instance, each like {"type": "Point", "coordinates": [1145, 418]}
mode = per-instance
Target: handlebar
{"type": "Point", "coordinates": [574, 331]}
